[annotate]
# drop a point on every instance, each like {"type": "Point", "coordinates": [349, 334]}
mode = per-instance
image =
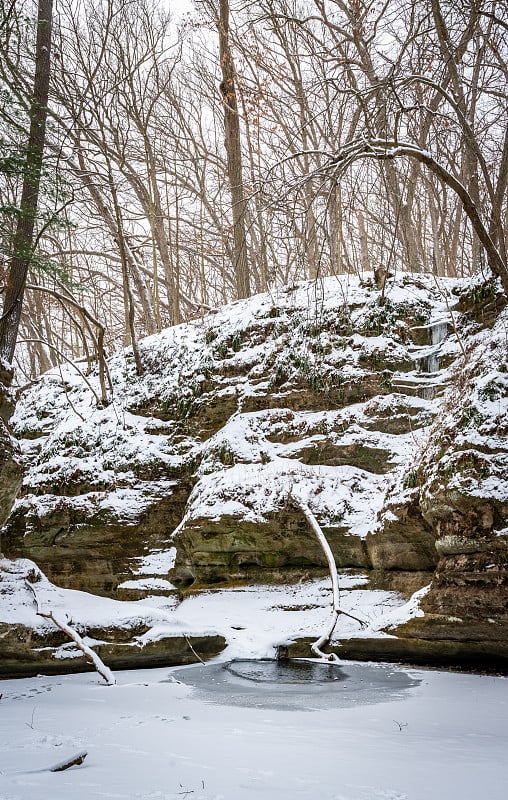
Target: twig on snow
{"type": "Point", "coordinates": [72, 761]}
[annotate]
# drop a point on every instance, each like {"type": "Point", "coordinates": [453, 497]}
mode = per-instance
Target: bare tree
{"type": "Point", "coordinates": [24, 237]}
{"type": "Point", "coordinates": [233, 151]}
{"type": "Point", "coordinates": [364, 139]}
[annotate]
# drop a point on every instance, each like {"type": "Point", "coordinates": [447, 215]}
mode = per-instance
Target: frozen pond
{"type": "Point", "coordinates": [254, 730]}
{"type": "Point", "coordinates": [296, 684]}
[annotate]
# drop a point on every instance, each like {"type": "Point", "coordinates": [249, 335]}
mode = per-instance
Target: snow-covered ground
{"type": "Point", "coordinates": [151, 738]}
{"type": "Point", "coordinates": [254, 620]}
{"type": "Point", "coordinates": [434, 735]}
{"type": "Point", "coordinates": [442, 736]}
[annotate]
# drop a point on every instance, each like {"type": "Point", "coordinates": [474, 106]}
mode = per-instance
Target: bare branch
{"type": "Point", "coordinates": [87, 651]}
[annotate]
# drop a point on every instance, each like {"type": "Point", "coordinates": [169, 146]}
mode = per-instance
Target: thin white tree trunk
{"type": "Point", "coordinates": [325, 638]}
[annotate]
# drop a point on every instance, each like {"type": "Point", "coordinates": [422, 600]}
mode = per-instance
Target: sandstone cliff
{"type": "Point", "coordinates": [386, 419]}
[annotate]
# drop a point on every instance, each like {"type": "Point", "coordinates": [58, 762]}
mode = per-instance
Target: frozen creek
{"type": "Point", "coordinates": [256, 730]}
{"type": "Point", "coordinates": [300, 685]}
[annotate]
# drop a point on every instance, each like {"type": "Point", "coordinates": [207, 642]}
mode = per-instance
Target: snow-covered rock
{"type": "Point", "coordinates": [316, 388]}
{"type": "Point", "coordinates": [389, 421]}
{"type": "Point", "coordinates": [125, 634]}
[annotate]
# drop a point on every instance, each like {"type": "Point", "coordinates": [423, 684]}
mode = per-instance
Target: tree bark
{"type": "Point", "coordinates": [233, 153]}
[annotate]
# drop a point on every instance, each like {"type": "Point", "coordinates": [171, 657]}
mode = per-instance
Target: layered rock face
{"type": "Point", "coordinates": [387, 421]}
{"type": "Point", "coordinates": [462, 495]}
{"type": "Point", "coordinates": [314, 394]}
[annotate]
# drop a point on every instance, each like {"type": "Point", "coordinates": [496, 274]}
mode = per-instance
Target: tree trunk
{"type": "Point", "coordinates": [24, 237]}
{"type": "Point", "coordinates": [233, 153]}
{"type": "Point", "coordinates": [364, 242]}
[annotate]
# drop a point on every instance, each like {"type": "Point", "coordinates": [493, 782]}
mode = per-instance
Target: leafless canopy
{"type": "Point", "coordinates": [188, 162]}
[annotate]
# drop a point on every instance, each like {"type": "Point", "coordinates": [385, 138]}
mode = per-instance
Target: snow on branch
{"type": "Point", "coordinates": [64, 626]}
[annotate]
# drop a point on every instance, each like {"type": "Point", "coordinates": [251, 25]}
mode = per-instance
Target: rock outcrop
{"type": "Point", "coordinates": [461, 496]}
{"type": "Point", "coordinates": [124, 635]}
{"type": "Point", "coordinates": [317, 390]}
{"type": "Point", "coordinates": [387, 420]}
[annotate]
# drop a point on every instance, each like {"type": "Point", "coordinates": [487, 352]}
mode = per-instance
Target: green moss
{"type": "Point", "coordinates": [320, 348]}
{"type": "Point", "coordinates": [449, 471]}
{"type": "Point", "coordinates": [314, 330]}
{"type": "Point", "coordinates": [479, 294]}
{"type": "Point", "coordinates": [220, 351]}
{"type": "Point", "coordinates": [271, 559]}
{"type": "Point", "coordinates": [236, 342]}
{"type": "Point", "coordinates": [179, 405]}
{"type": "Point", "coordinates": [279, 376]}
{"type": "Point", "coordinates": [382, 318]}
{"type": "Point", "coordinates": [225, 455]}
{"type": "Point", "coordinates": [373, 358]}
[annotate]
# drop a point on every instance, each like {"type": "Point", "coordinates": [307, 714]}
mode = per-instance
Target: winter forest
{"type": "Point", "coordinates": [191, 159]}
{"type": "Point", "coordinates": [253, 399]}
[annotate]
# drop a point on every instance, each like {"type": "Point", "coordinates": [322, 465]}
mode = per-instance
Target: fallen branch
{"type": "Point", "coordinates": [332, 568]}
{"type": "Point", "coordinates": [98, 663]}
{"type": "Point", "coordinates": [72, 761]}
{"type": "Point", "coordinates": [192, 649]}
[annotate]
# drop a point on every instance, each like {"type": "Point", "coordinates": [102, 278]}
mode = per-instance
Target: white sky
{"type": "Point", "coordinates": [179, 7]}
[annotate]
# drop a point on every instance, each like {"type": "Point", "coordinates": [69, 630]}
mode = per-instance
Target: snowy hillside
{"type": "Point", "coordinates": [292, 392]}
{"type": "Point", "coordinates": [195, 473]}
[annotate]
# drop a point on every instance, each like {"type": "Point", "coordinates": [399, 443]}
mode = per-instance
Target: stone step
{"type": "Point", "coordinates": [431, 334]}
{"type": "Point", "coordinates": [424, 385]}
